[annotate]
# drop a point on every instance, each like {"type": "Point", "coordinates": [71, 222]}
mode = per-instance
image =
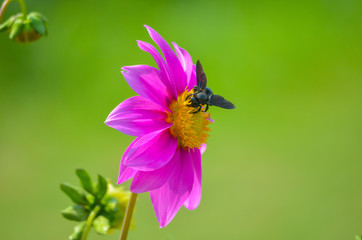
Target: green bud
{"type": "Point", "coordinates": [115, 207]}
{"type": "Point", "coordinates": [111, 205]}
{"type": "Point", "coordinates": [76, 213]}
{"type": "Point", "coordinates": [101, 225]}
{"type": "Point", "coordinates": [16, 28]}
{"type": "Point", "coordinates": [85, 180]}
{"type": "Point", "coordinates": [104, 202]}
{"type": "Point", "coordinates": [25, 30]}
{"type": "Point", "coordinates": [29, 34]}
{"type": "Point", "coordinates": [101, 187]}
{"type": "Point", "coordinates": [78, 231]}
{"type": "Point", "coordinates": [74, 193]}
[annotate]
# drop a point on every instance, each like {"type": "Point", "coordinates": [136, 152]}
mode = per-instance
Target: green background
{"type": "Point", "coordinates": [285, 164]}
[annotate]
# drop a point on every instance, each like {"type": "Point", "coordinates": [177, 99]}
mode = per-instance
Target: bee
{"type": "Point", "coordinates": [203, 95]}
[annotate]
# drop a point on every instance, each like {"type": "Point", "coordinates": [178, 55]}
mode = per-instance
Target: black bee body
{"type": "Point", "coordinates": [203, 95]}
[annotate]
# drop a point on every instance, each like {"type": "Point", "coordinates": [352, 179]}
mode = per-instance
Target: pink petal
{"type": "Point", "coordinates": [151, 151]}
{"type": "Point", "coordinates": [164, 71]}
{"type": "Point", "coordinates": [138, 116]}
{"type": "Point", "coordinates": [166, 203]}
{"type": "Point", "coordinates": [146, 81]}
{"type": "Point", "coordinates": [182, 178]}
{"type": "Point", "coordinates": [168, 199]}
{"type": "Point", "coordinates": [147, 181]}
{"type": "Point", "coordinates": [177, 73]}
{"type": "Point", "coordinates": [126, 173]}
{"type": "Point", "coordinates": [194, 198]}
{"type": "Point", "coordinates": [186, 62]}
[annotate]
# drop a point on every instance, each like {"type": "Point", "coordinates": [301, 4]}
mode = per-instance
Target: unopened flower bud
{"type": "Point", "coordinates": [116, 203]}
{"type": "Point", "coordinates": [101, 205]}
{"type": "Point", "coordinates": [101, 224]}
{"type": "Point", "coordinates": [25, 29]}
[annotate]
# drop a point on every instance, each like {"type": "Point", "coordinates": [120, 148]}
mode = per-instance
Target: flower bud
{"type": "Point", "coordinates": [101, 225]}
{"type": "Point", "coordinates": [116, 204]}
{"type": "Point", "coordinates": [103, 204]}
{"type": "Point", "coordinates": [25, 29]}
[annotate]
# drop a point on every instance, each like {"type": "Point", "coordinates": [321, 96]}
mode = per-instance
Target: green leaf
{"type": "Point", "coordinates": [38, 25]}
{"type": "Point", "coordinates": [7, 24]}
{"type": "Point", "coordinates": [38, 15]}
{"type": "Point", "coordinates": [101, 225]}
{"type": "Point", "coordinates": [76, 213]}
{"type": "Point", "coordinates": [85, 180]}
{"type": "Point", "coordinates": [16, 28]}
{"type": "Point", "coordinates": [74, 193]}
{"type": "Point", "coordinates": [78, 231]}
{"type": "Point", "coordinates": [101, 187]}
{"type": "Point", "coordinates": [358, 238]}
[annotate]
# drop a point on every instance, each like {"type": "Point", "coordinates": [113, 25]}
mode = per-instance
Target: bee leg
{"type": "Point", "coordinates": [198, 110]}
{"type": "Point", "coordinates": [193, 102]}
{"type": "Point", "coordinates": [192, 94]}
{"type": "Point", "coordinates": [207, 108]}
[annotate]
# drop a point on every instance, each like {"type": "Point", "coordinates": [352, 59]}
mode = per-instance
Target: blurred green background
{"type": "Point", "coordinates": [286, 164]}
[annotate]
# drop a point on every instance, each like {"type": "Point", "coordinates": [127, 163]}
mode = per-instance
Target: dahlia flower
{"type": "Point", "coordinates": [165, 157]}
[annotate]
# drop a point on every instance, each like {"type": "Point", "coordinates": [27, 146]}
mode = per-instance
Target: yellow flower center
{"type": "Point", "coordinates": [189, 128]}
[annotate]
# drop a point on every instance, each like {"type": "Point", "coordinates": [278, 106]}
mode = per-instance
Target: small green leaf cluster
{"type": "Point", "coordinates": [100, 206]}
{"type": "Point", "coordinates": [25, 29]}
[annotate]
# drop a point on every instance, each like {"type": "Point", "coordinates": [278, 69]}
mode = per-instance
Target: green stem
{"type": "Point", "coordinates": [3, 8]}
{"type": "Point", "coordinates": [90, 219]}
{"type": "Point", "coordinates": [6, 4]}
{"type": "Point", "coordinates": [24, 10]}
{"type": "Point", "coordinates": [128, 216]}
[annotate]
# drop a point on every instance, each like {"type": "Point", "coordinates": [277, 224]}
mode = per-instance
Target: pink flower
{"type": "Point", "coordinates": [165, 157]}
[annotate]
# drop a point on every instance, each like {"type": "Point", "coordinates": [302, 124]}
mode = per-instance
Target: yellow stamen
{"type": "Point", "coordinates": [189, 128]}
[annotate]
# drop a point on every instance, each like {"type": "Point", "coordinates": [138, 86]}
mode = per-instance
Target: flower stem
{"type": "Point", "coordinates": [128, 216]}
{"type": "Point", "coordinates": [6, 4]}
{"type": "Point", "coordinates": [3, 8]}
{"type": "Point", "coordinates": [24, 10]}
{"type": "Point", "coordinates": [90, 219]}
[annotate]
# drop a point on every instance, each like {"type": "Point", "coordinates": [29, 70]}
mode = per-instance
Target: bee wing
{"type": "Point", "coordinates": [219, 101]}
{"type": "Point", "coordinates": [200, 76]}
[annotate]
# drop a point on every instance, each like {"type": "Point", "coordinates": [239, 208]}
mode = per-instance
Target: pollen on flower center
{"type": "Point", "coordinates": [189, 128]}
